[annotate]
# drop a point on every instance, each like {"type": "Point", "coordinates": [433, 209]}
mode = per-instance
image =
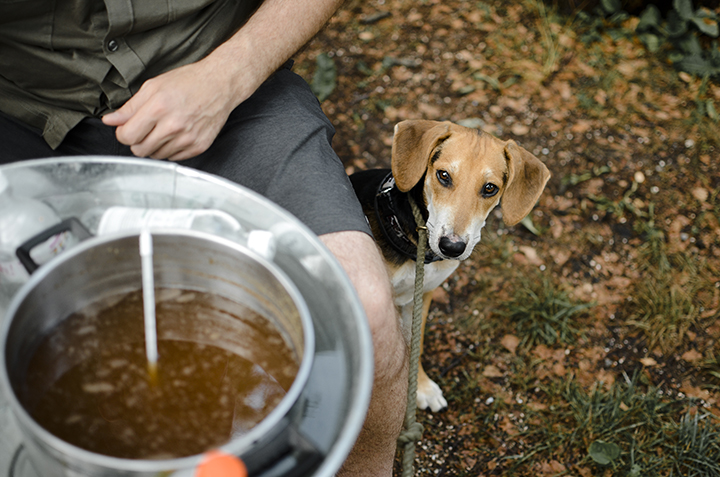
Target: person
{"type": "Point", "coordinates": [205, 83]}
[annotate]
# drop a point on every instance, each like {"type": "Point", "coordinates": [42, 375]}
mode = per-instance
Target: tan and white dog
{"type": "Point", "coordinates": [456, 175]}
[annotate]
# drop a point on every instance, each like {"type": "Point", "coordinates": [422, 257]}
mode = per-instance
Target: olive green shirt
{"type": "Point", "coordinates": [64, 60]}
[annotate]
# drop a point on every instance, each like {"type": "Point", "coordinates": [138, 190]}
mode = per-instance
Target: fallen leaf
{"type": "Point", "coordinates": [429, 110]}
{"type": "Point", "coordinates": [581, 126]}
{"type": "Point", "coordinates": [685, 77]}
{"type": "Point", "coordinates": [531, 254]}
{"type": "Point", "coordinates": [492, 371]}
{"type": "Point", "coordinates": [543, 352]}
{"type": "Point", "coordinates": [692, 356]}
{"type": "Point", "coordinates": [519, 129]}
{"type": "Point", "coordinates": [537, 406]}
{"type": "Point", "coordinates": [584, 472]}
{"type": "Point", "coordinates": [700, 194]}
{"type": "Point", "coordinates": [510, 343]}
{"type": "Point", "coordinates": [560, 256]}
{"type": "Point", "coordinates": [606, 377]}
{"type": "Point", "coordinates": [694, 391]}
{"type": "Point", "coordinates": [647, 361]}
{"type": "Point", "coordinates": [551, 468]}
{"type": "Point", "coordinates": [508, 427]}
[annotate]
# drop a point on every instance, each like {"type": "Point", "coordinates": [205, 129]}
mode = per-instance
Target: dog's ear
{"type": "Point", "coordinates": [527, 177]}
{"type": "Point", "coordinates": [412, 147]}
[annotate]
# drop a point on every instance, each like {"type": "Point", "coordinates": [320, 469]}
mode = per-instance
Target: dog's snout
{"type": "Point", "coordinates": [452, 248]}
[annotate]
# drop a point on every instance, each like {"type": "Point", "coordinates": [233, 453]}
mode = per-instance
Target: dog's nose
{"type": "Point", "coordinates": [452, 248]}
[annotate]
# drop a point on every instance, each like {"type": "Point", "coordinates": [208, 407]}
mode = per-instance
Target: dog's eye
{"type": "Point", "coordinates": [489, 190]}
{"type": "Point", "coordinates": [444, 178]}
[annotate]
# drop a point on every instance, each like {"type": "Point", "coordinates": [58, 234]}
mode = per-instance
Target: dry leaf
{"type": "Point", "coordinates": [510, 343]}
{"type": "Point", "coordinates": [551, 468]}
{"type": "Point", "coordinates": [543, 352]}
{"type": "Point", "coordinates": [692, 356]}
{"type": "Point", "coordinates": [647, 361]}
{"type": "Point", "coordinates": [531, 255]}
{"type": "Point", "coordinates": [694, 391]}
{"type": "Point", "coordinates": [537, 406]}
{"type": "Point", "coordinates": [519, 129]}
{"type": "Point", "coordinates": [492, 371]}
{"type": "Point", "coordinates": [508, 427]}
{"type": "Point", "coordinates": [700, 194]}
{"type": "Point", "coordinates": [584, 472]}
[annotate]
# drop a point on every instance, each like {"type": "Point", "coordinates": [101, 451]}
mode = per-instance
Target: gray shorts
{"type": "Point", "coordinates": [277, 143]}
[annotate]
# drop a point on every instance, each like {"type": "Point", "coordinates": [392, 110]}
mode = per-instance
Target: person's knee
{"type": "Point", "coordinates": [361, 259]}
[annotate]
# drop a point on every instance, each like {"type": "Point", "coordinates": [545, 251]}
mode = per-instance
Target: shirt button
{"type": "Point", "coordinates": [112, 45]}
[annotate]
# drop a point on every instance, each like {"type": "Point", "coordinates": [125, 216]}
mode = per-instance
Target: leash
{"type": "Point", "coordinates": [413, 429]}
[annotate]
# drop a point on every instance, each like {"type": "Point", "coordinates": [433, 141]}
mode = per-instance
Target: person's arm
{"type": "Point", "coordinates": [178, 114]}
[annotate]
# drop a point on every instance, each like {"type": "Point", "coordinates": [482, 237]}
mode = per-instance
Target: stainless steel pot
{"type": "Point", "coordinates": [103, 266]}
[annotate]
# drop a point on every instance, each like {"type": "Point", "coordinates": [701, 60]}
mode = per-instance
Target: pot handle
{"type": "Point", "coordinates": [290, 454]}
{"type": "Point", "coordinates": [72, 225]}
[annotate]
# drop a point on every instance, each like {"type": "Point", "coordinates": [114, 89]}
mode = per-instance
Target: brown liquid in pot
{"type": "Point", "coordinates": [88, 381]}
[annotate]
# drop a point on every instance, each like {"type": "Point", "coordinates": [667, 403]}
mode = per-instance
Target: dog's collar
{"type": "Point", "coordinates": [386, 210]}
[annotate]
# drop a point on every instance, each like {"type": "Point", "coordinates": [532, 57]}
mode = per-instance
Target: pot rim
{"type": "Point", "coordinates": [235, 446]}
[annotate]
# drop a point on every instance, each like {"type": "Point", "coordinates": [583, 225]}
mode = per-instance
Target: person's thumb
{"type": "Point", "coordinates": [120, 116]}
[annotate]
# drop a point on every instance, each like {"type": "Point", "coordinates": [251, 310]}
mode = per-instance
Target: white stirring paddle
{"type": "Point", "coordinates": [148, 286]}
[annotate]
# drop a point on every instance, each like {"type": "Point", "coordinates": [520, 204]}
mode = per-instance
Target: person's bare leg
{"type": "Point", "coordinates": [374, 451]}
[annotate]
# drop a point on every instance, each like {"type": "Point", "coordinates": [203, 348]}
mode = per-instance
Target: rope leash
{"type": "Point", "coordinates": [413, 429]}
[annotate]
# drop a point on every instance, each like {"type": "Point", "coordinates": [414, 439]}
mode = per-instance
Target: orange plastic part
{"type": "Point", "coordinates": [220, 464]}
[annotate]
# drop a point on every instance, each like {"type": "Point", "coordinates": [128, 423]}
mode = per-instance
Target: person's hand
{"type": "Point", "coordinates": [176, 115]}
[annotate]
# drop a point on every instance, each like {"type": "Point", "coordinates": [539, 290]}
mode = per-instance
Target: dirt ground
{"type": "Point", "coordinates": [585, 341]}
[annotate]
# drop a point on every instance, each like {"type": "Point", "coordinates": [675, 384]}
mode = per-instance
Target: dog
{"type": "Point", "coordinates": [456, 175]}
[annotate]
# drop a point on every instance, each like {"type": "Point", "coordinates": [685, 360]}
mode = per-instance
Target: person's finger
{"type": "Point", "coordinates": [125, 112]}
{"type": "Point", "coordinates": [186, 153]}
{"type": "Point", "coordinates": [116, 118]}
{"type": "Point", "coordinates": [137, 129]}
{"type": "Point", "coordinates": [152, 145]}
{"type": "Point", "coordinates": [184, 146]}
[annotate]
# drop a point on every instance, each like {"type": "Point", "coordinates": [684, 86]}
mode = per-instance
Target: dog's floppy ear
{"type": "Point", "coordinates": [413, 144]}
{"type": "Point", "coordinates": [527, 177]}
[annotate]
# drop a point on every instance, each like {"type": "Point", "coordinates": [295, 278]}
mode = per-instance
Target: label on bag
{"type": "Point", "coordinates": [13, 271]}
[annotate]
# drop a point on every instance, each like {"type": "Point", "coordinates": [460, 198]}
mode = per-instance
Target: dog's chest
{"type": "Point", "coordinates": [403, 279]}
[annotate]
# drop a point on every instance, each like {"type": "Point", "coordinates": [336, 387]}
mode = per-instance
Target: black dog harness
{"type": "Point", "coordinates": [386, 210]}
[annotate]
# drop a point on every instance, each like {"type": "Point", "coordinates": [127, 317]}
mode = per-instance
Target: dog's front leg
{"type": "Point", "coordinates": [429, 394]}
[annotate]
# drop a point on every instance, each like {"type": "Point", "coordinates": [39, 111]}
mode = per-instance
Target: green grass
{"type": "Point", "coordinates": [663, 309]}
{"type": "Point", "coordinates": [711, 368]}
{"type": "Point", "coordinates": [665, 301]}
{"type": "Point", "coordinates": [651, 434]}
{"type": "Point", "coordinates": [543, 313]}
{"type": "Point", "coordinates": [696, 450]}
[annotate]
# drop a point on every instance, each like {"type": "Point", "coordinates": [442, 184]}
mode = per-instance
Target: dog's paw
{"type": "Point", "coordinates": [429, 395]}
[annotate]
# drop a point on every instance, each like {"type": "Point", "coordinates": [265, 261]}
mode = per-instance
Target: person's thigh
{"type": "Point", "coordinates": [278, 143]}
